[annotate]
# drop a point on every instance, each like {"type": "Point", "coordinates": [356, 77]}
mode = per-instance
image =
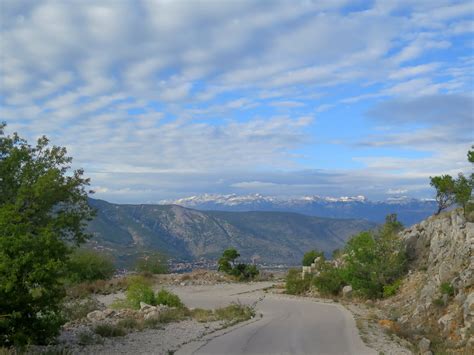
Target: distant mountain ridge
{"type": "Point", "coordinates": [183, 233]}
{"type": "Point", "coordinates": [409, 210]}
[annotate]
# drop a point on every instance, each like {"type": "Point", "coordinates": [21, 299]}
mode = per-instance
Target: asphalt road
{"type": "Point", "coordinates": [287, 326]}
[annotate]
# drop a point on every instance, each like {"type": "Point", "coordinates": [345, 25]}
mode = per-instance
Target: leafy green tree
{"type": "Point", "coordinates": [462, 190]}
{"type": "Point", "coordinates": [445, 191]}
{"type": "Point", "coordinates": [231, 254]}
{"type": "Point", "coordinates": [308, 257]}
{"type": "Point", "coordinates": [242, 271]}
{"type": "Point", "coordinates": [90, 265]}
{"type": "Point", "coordinates": [226, 262]}
{"type": "Point", "coordinates": [43, 211]}
{"type": "Point", "coordinates": [470, 155]}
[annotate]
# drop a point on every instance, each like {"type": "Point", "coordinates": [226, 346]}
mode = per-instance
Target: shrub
{"type": "Point", "coordinates": [235, 313]}
{"type": "Point", "coordinates": [89, 265]}
{"type": "Point", "coordinates": [79, 309]}
{"type": "Point", "coordinates": [129, 323]}
{"type": "Point", "coordinates": [374, 259]}
{"type": "Point", "coordinates": [109, 330]}
{"type": "Point", "coordinates": [329, 282]}
{"type": "Point", "coordinates": [309, 257]}
{"type": "Point", "coordinates": [203, 315]}
{"type": "Point", "coordinates": [167, 298]}
{"type": "Point", "coordinates": [439, 302]}
{"type": "Point", "coordinates": [391, 290]}
{"type": "Point", "coordinates": [295, 285]}
{"type": "Point", "coordinates": [174, 314]}
{"type": "Point", "coordinates": [139, 290]}
{"type": "Point", "coordinates": [87, 338]}
{"type": "Point", "coordinates": [446, 289]}
{"type": "Point", "coordinates": [155, 264]}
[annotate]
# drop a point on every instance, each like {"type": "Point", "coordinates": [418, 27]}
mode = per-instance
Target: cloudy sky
{"type": "Point", "coordinates": [166, 99]}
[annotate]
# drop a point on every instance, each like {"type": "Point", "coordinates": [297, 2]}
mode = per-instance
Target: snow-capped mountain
{"type": "Point", "coordinates": [409, 210]}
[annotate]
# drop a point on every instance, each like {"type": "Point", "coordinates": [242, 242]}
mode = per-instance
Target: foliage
{"type": "Point", "coordinates": [174, 314]}
{"type": "Point", "coordinates": [450, 190]}
{"type": "Point", "coordinates": [242, 271]}
{"type": "Point", "coordinates": [235, 312]}
{"type": "Point", "coordinates": [43, 207]}
{"type": "Point", "coordinates": [374, 259]}
{"type": "Point", "coordinates": [447, 289]}
{"type": "Point", "coordinates": [329, 281]}
{"type": "Point", "coordinates": [444, 186]}
{"type": "Point", "coordinates": [308, 257]}
{"type": "Point", "coordinates": [139, 290]}
{"type": "Point", "coordinates": [462, 190]}
{"type": "Point", "coordinates": [392, 289]}
{"type": "Point", "coordinates": [295, 285]}
{"type": "Point", "coordinates": [155, 263]}
{"type": "Point", "coordinates": [78, 309]}
{"type": "Point", "coordinates": [102, 287]}
{"type": "Point", "coordinates": [109, 330]}
{"type": "Point", "coordinates": [167, 298]}
{"type": "Point", "coordinates": [89, 265]}
{"type": "Point", "coordinates": [226, 262]}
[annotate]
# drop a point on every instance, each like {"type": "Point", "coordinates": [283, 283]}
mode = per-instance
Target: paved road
{"type": "Point", "coordinates": [288, 326]}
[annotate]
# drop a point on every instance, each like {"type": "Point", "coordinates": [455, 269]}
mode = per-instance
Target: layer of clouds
{"type": "Point", "coordinates": [178, 93]}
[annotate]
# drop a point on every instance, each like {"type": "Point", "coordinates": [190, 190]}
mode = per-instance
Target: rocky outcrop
{"type": "Point", "coordinates": [436, 300]}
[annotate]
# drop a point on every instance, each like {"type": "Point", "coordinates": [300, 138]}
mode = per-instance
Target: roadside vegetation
{"type": "Point", "coordinates": [371, 262]}
{"type": "Point", "coordinates": [242, 272]}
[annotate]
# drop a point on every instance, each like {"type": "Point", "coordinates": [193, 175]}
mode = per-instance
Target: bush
{"type": "Point", "coordinates": [109, 330]}
{"type": "Point", "coordinates": [391, 290]}
{"type": "Point", "coordinates": [129, 323]}
{"type": "Point", "coordinates": [167, 298]}
{"type": "Point", "coordinates": [174, 314]}
{"type": "Point", "coordinates": [235, 313]}
{"type": "Point", "coordinates": [309, 257]}
{"type": "Point", "coordinates": [79, 309]}
{"type": "Point", "coordinates": [88, 265]}
{"type": "Point", "coordinates": [203, 315]}
{"type": "Point", "coordinates": [155, 264]}
{"type": "Point", "coordinates": [295, 285]}
{"type": "Point", "coordinates": [374, 259]}
{"type": "Point", "coordinates": [139, 290]}
{"type": "Point", "coordinates": [329, 282]}
{"type": "Point", "coordinates": [446, 289]}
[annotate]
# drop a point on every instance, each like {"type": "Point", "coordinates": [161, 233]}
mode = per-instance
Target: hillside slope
{"type": "Point", "coordinates": [436, 300]}
{"type": "Point", "coordinates": [273, 237]}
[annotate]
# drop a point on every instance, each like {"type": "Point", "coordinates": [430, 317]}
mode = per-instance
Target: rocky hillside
{"type": "Point", "coordinates": [435, 305]}
{"type": "Point", "coordinates": [273, 237]}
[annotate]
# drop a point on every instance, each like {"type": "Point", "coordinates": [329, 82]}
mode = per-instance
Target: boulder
{"type": "Point", "coordinates": [347, 291]}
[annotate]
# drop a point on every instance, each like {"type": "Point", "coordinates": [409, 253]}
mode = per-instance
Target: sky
{"type": "Point", "coordinates": [167, 99]}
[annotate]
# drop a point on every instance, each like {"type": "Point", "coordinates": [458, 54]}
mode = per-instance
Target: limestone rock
{"type": "Point", "coordinates": [347, 291]}
{"type": "Point", "coordinates": [424, 345]}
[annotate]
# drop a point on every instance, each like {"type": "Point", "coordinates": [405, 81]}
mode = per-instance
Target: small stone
{"type": "Point", "coordinates": [424, 345]}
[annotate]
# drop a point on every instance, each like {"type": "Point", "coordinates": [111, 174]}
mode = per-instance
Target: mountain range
{"type": "Point", "coordinates": [189, 234]}
{"type": "Point", "coordinates": [409, 210]}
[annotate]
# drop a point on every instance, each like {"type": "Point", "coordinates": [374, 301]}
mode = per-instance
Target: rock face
{"type": "Point", "coordinates": [437, 297]}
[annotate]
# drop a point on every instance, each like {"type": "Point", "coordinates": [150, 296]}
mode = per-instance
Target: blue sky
{"type": "Point", "coordinates": [166, 99]}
